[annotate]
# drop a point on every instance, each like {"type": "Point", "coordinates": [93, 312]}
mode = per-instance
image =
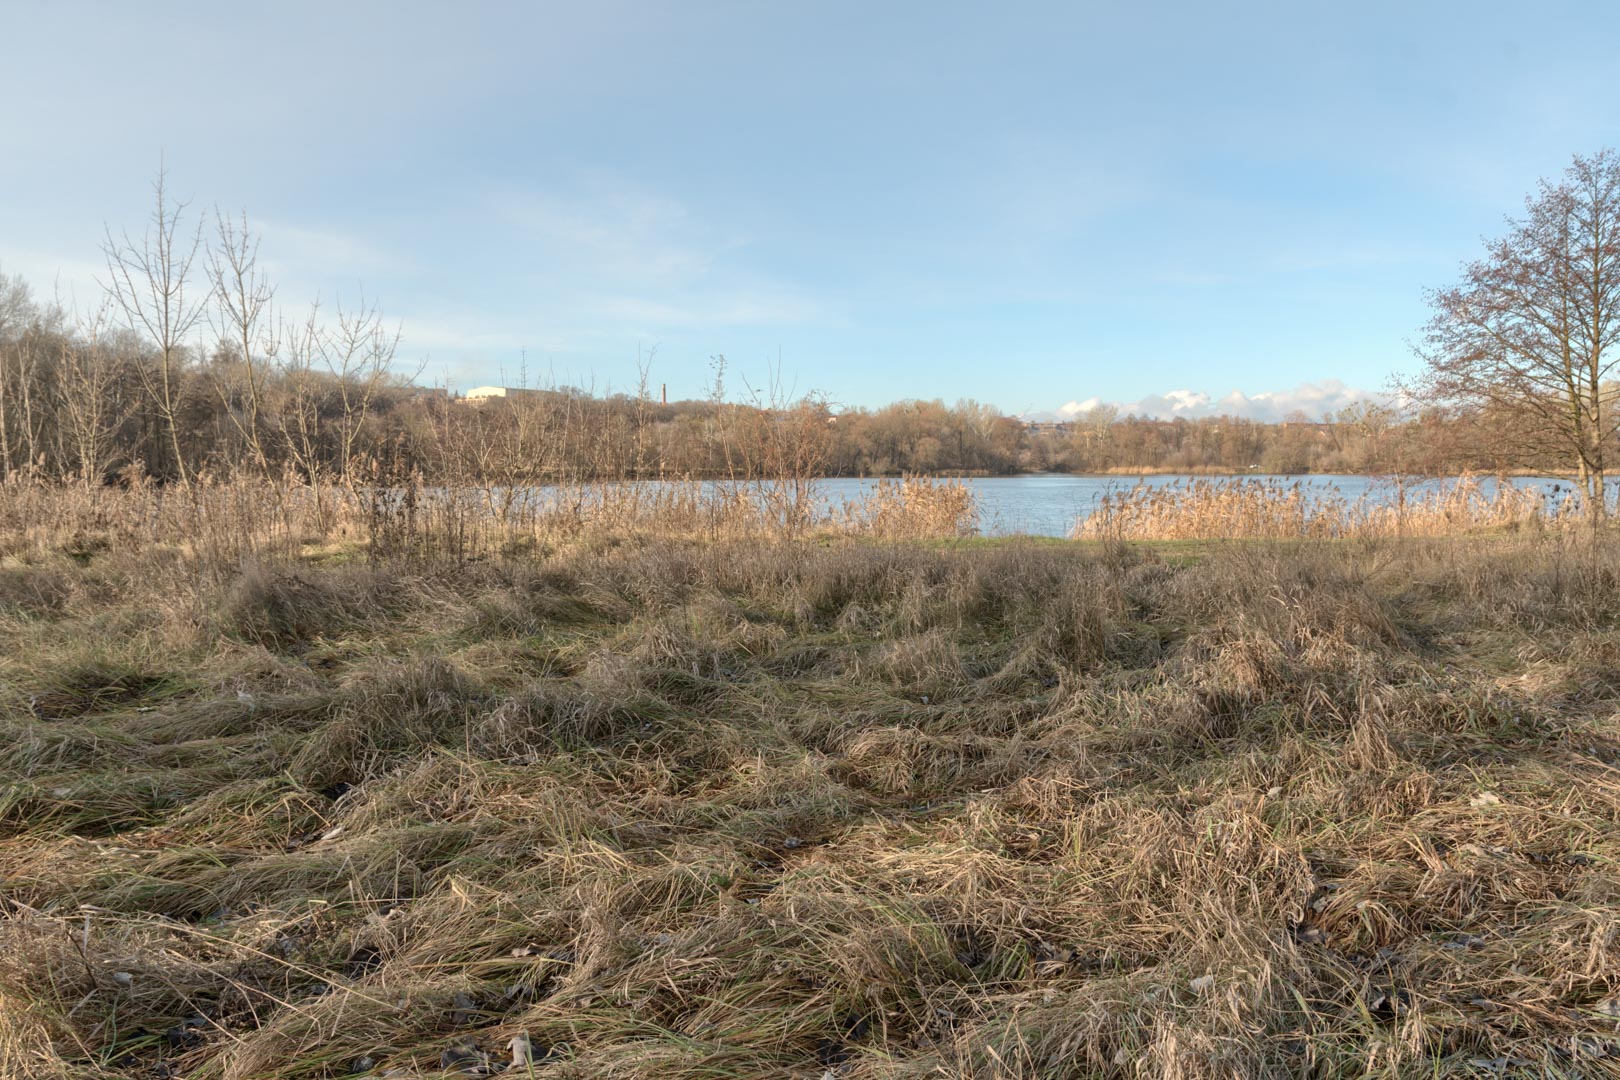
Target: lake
{"type": "Point", "coordinates": [1049, 504]}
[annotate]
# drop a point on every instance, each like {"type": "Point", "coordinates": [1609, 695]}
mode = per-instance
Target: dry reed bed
{"type": "Point", "coordinates": [860, 809]}
{"type": "Point", "coordinates": [220, 522]}
{"type": "Point", "coordinates": [1273, 510]}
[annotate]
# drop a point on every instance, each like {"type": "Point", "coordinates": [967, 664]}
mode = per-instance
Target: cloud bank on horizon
{"type": "Point", "coordinates": [1315, 400]}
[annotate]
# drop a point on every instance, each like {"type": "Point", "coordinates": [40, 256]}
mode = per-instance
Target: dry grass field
{"type": "Point", "coordinates": [630, 806]}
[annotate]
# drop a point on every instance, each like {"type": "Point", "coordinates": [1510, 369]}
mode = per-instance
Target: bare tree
{"type": "Point", "coordinates": [30, 333]}
{"type": "Point", "coordinates": [524, 432]}
{"type": "Point", "coordinates": [1530, 333]}
{"type": "Point", "coordinates": [298, 419]}
{"type": "Point", "coordinates": [150, 281]}
{"type": "Point", "coordinates": [785, 451]}
{"type": "Point", "coordinates": [16, 303]}
{"type": "Point", "coordinates": [1369, 421]}
{"type": "Point", "coordinates": [16, 310]}
{"type": "Point", "coordinates": [359, 352]}
{"type": "Point", "coordinates": [92, 404]}
{"type": "Point", "coordinates": [242, 300]}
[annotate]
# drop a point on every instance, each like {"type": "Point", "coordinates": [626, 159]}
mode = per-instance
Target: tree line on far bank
{"type": "Point", "coordinates": [84, 401]}
{"type": "Point", "coordinates": [190, 368]}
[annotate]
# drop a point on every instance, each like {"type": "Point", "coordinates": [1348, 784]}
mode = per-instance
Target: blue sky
{"type": "Point", "coordinates": [1028, 204]}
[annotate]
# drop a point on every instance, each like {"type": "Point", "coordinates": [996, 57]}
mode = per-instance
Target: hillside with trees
{"type": "Point", "coordinates": [88, 398]}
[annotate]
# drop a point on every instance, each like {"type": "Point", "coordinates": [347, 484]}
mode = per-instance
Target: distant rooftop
{"type": "Point", "coordinates": [479, 393]}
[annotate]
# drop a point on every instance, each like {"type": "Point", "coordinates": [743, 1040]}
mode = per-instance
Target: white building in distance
{"type": "Point", "coordinates": [484, 393]}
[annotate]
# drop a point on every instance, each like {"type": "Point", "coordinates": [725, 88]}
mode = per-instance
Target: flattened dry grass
{"type": "Point", "coordinates": [865, 809]}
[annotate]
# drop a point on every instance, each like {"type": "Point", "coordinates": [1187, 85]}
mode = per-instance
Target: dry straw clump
{"type": "Point", "coordinates": [1273, 510]}
{"type": "Point", "coordinates": [912, 508]}
{"type": "Point", "coordinates": [653, 807]}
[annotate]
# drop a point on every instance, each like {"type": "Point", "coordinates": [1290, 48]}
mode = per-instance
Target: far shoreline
{"type": "Point", "coordinates": [1118, 471]}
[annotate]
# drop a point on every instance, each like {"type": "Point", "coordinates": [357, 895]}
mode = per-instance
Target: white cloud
{"type": "Point", "coordinates": [1312, 399]}
{"type": "Point", "coordinates": [600, 250]}
{"type": "Point", "coordinates": [614, 229]}
{"type": "Point", "coordinates": [726, 308]}
{"type": "Point", "coordinates": [461, 333]}
{"type": "Point", "coordinates": [75, 282]}
{"type": "Point", "coordinates": [322, 253]}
